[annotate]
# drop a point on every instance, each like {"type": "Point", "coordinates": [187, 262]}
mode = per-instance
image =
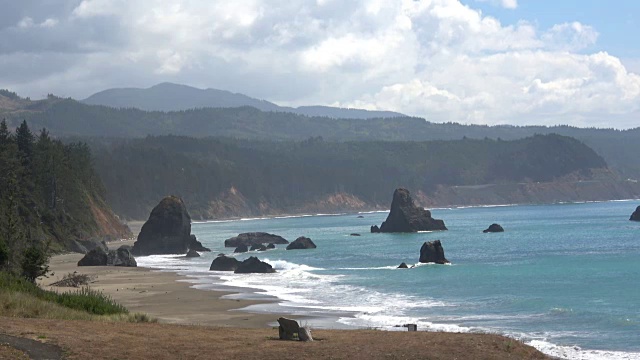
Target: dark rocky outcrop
{"type": "Point", "coordinates": [375, 229]}
{"type": "Point", "coordinates": [95, 257]}
{"type": "Point", "coordinates": [301, 243]}
{"type": "Point", "coordinates": [168, 230]}
{"type": "Point", "coordinates": [258, 247]}
{"type": "Point", "coordinates": [241, 249]}
{"type": "Point", "coordinates": [224, 263]}
{"type": "Point", "coordinates": [196, 245]}
{"type": "Point", "coordinates": [98, 257]}
{"type": "Point", "coordinates": [254, 238]}
{"type": "Point", "coordinates": [403, 266]}
{"type": "Point", "coordinates": [636, 215]}
{"type": "Point", "coordinates": [360, 217]}
{"type": "Point", "coordinates": [271, 246]}
{"type": "Point", "coordinates": [354, 234]}
{"type": "Point", "coordinates": [493, 228]}
{"type": "Point", "coordinates": [254, 265]}
{"type": "Point", "coordinates": [121, 257]}
{"type": "Point", "coordinates": [192, 253]}
{"type": "Point", "coordinates": [405, 216]}
{"type": "Point", "coordinates": [432, 252]}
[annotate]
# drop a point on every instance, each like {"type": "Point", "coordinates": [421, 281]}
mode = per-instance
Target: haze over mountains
{"type": "Point", "coordinates": [175, 97]}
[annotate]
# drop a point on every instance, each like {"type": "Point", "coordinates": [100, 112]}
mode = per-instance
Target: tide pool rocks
{"type": "Point", "coordinates": [224, 263]}
{"type": "Point", "coordinates": [432, 252]}
{"type": "Point", "coordinates": [405, 216]}
{"type": "Point", "coordinates": [254, 265]}
{"type": "Point", "coordinates": [636, 215]}
{"type": "Point", "coordinates": [493, 228]}
{"type": "Point", "coordinates": [192, 253]}
{"type": "Point", "coordinates": [167, 231]}
{"type": "Point", "coordinates": [301, 243]}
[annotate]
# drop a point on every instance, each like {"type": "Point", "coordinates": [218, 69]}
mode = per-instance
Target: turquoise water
{"type": "Point", "coordinates": [564, 278]}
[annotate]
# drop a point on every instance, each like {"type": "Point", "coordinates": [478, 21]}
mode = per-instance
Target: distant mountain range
{"type": "Point", "coordinates": [175, 97]}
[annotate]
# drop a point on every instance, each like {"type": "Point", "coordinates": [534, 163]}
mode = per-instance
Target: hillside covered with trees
{"type": "Point", "coordinates": [67, 117]}
{"type": "Point", "coordinates": [225, 177]}
{"type": "Point", "coordinates": [50, 197]}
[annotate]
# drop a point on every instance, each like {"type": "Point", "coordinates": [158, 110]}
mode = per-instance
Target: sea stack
{"type": "Point", "coordinates": [168, 230]}
{"type": "Point", "coordinates": [432, 252]}
{"type": "Point", "coordinates": [636, 215]}
{"type": "Point", "coordinates": [254, 238]}
{"type": "Point", "coordinates": [405, 216]}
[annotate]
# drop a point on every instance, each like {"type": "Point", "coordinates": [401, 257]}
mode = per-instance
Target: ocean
{"type": "Point", "coordinates": [564, 278]}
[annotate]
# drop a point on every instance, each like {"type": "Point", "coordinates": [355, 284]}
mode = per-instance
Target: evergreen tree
{"type": "Point", "coordinates": [25, 140]}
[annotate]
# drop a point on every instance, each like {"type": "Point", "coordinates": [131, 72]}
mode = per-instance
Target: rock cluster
{"type": "Point", "coordinates": [636, 215]}
{"type": "Point", "coordinates": [432, 252]}
{"type": "Point", "coordinates": [98, 257]}
{"type": "Point", "coordinates": [254, 238]}
{"type": "Point", "coordinates": [405, 216]}
{"type": "Point", "coordinates": [224, 263]}
{"type": "Point", "coordinates": [254, 265]}
{"type": "Point", "coordinates": [168, 230]}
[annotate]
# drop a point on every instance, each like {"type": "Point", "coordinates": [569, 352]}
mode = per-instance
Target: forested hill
{"type": "Point", "coordinates": [66, 117]}
{"type": "Point", "coordinates": [50, 195]}
{"type": "Point", "coordinates": [175, 97]}
{"type": "Point", "coordinates": [225, 178]}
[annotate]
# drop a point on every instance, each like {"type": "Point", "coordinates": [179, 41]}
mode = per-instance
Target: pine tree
{"type": "Point", "coordinates": [25, 140]}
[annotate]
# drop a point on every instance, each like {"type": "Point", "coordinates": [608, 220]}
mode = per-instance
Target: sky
{"type": "Point", "coordinates": [520, 62]}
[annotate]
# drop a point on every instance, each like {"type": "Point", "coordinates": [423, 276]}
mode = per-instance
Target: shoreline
{"type": "Point", "coordinates": [164, 295]}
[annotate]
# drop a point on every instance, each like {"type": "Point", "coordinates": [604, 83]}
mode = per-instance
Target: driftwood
{"type": "Point", "coordinates": [289, 328]}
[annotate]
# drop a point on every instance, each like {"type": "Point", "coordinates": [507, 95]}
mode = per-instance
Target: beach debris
{"type": "Point", "coordinates": [254, 238]}
{"type": "Point", "coordinates": [254, 265]}
{"type": "Point", "coordinates": [224, 263]}
{"type": "Point", "coordinates": [289, 329]}
{"type": "Point", "coordinates": [301, 243]}
{"type": "Point", "coordinates": [403, 266]}
{"type": "Point", "coordinates": [432, 252]}
{"type": "Point", "coordinates": [493, 228]}
{"type": "Point", "coordinates": [192, 253]}
{"type": "Point", "coordinates": [405, 216]}
{"type": "Point", "coordinates": [636, 215]}
{"type": "Point", "coordinates": [411, 327]}
{"type": "Point", "coordinates": [168, 230]}
{"type": "Point", "coordinates": [74, 280]}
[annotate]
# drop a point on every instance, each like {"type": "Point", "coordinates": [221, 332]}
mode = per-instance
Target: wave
{"type": "Point", "coordinates": [575, 352]}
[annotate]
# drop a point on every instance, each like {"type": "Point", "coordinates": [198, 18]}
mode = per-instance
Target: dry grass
{"type": "Point", "coordinates": [91, 340]}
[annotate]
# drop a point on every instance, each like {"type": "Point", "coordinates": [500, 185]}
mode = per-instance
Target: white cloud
{"type": "Point", "coordinates": [507, 4]}
{"type": "Point", "coordinates": [438, 59]}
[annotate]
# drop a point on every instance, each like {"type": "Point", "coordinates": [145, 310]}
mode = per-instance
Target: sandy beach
{"type": "Point", "coordinates": [161, 295]}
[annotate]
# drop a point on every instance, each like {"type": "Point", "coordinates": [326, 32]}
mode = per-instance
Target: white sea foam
{"type": "Point", "coordinates": [575, 352]}
{"type": "Point", "coordinates": [389, 322]}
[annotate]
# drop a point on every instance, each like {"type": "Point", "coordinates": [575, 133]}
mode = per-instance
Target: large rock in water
{"type": "Point", "coordinates": [493, 228]}
{"type": "Point", "coordinates": [254, 238]}
{"type": "Point", "coordinates": [432, 252]}
{"type": "Point", "coordinates": [301, 243]}
{"type": "Point", "coordinates": [405, 216]}
{"type": "Point", "coordinates": [636, 215]}
{"type": "Point", "coordinates": [254, 265]}
{"type": "Point", "coordinates": [168, 230]}
{"type": "Point", "coordinates": [224, 263]}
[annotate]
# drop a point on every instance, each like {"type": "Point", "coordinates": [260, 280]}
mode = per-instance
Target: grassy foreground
{"type": "Point", "coordinates": [21, 298]}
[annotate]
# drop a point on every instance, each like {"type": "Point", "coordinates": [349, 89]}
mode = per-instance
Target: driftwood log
{"type": "Point", "coordinates": [289, 328]}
